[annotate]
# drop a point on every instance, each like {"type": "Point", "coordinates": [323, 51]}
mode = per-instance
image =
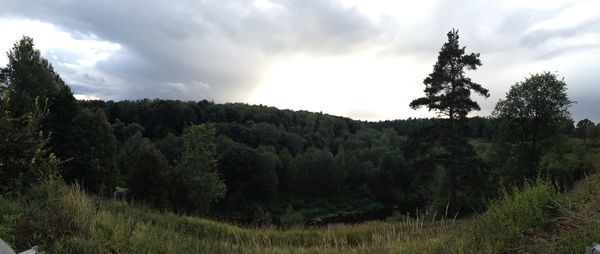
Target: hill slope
{"type": "Point", "coordinates": [534, 219]}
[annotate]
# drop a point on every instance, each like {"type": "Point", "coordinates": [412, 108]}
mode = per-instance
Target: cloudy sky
{"type": "Point", "coordinates": [362, 59]}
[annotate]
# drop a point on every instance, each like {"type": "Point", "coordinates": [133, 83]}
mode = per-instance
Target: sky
{"type": "Point", "coordinates": [360, 59]}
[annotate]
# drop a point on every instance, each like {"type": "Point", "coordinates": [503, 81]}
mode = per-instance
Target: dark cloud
{"type": "Point", "coordinates": [218, 49]}
{"type": "Point", "coordinates": [541, 39]}
{"type": "Point", "coordinates": [541, 36]}
{"type": "Point", "coordinates": [224, 44]}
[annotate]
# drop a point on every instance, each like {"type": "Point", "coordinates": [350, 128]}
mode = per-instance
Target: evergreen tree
{"type": "Point", "coordinates": [448, 92]}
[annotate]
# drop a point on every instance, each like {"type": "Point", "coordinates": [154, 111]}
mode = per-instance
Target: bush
{"type": "Point", "coordinates": [291, 218]}
{"type": "Point", "coordinates": [10, 212]}
{"type": "Point", "coordinates": [567, 164]}
{"type": "Point", "coordinates": [515, 215]}
{"type": "Point", "coordinates": [44, 220]}
{"type": "Point", "coordinates": [43, 228]}
{"type": "Point", "coordinates": [260, 217]}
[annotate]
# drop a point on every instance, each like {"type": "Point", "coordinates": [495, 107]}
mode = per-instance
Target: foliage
{"type": "Point", "coordinates": [567, 163]}
{"type": "Point", "coordinates": [25, 159]}
{"type": "Point", "coordinates": [170, 146]}
{"type": "Point", "coordinates": [147, 174]}
{"type": "Point", "coordinates": [291, 218]}
{"type": "Point", "coordinates": [248, 173]}
{"type": "Point", "coordinates": [32, 84]}
{"type": "Point", "coordinates": [251, 164]}
{"type": "Point", "coordinates": [585, 129]}
{"type": "Point", "coordinates": [447, 89]}
{"type": "Point", "coordinates": [316, 173]}
{"type": "Point", "coordinates": [448, 92]}
{"type": "Point", "coordinates": [195, 183]}
{"type": "Point", "coordinates": [516, 222]}
{"type": "Point", "coordinates": [527, 121]}
{"type": "Point", "coordinates": [10, 213]}
{"type": "Point", "coordinates": [516, 215]}
{"type": "Point", "coordinates": [95, 166]}
{"type": "Point", "coordinates": [28, 76]}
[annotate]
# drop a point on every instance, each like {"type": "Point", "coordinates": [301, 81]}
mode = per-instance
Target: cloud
{"type": "Point", "coordinates": [369, 58]}
{"type": "Point", "coordinates": [225, 44]}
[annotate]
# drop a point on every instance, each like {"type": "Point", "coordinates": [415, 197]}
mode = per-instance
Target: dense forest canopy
{"type": "Point", "coordinates": [258, 164]}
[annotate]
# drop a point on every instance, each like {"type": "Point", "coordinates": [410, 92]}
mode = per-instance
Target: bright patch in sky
{"type": "Point", "coordinates": [85, 97]}
{"type": "Point", "coordinates": [361, 85]}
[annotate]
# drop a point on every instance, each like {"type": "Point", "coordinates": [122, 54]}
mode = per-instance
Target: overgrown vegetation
{"type": "Point", "coordinates": [533, 218]}
{"type": "Point", "coordinates": [171, 176]}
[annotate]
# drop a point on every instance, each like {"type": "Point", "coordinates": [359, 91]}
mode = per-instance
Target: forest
{"type": "Point", "coordinates": [263, 169]}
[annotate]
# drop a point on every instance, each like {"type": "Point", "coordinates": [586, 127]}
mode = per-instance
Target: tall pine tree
{"type": "Point", "coordinates": [448, 92]}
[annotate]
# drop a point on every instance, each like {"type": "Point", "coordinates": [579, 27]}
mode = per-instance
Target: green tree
{"type": "Point", "coordinates": [356, 173]}
{"type": "Point", "coordinates": [341, 169]}
{"type": "Point", "coordinates": [147, 174]}
{"type": "Point", "coordinates": [125, 151]}
{"type": "Point", "coordinates": [195, 183]}
{"type": "Point", "coordinates": [287, 171]}
{"type": "Point", "coordinates": [28, 76]}
{"type": "Point", "coordinates": [170, 146]}
{"type": "Point", "coordinates": [269, 163]}
{"type": "Point", "coordinates": [25, 159]}
{"type": "Point", "coordinates": [528, 120]}
{"type": "Point", "coordinates": [448, 92]}
{"type": "Point", "coordinates": [584, 129]}
{"type": "Point", "coordinates": [316, 173]}
{"type": "Point", "coordinates": [95, 165]}
{"type": "Point", "coordinates": [447, 89]}
{"type": "Point", "coordinates": [249, 173]}
{"type": "Point", "coordinates": [31, 79]}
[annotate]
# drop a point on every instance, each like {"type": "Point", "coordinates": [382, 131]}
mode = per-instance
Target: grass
{"type": "Point", "coordinates": [120, 228]}
{"type": "Point", "coordinates": [534, 219]}
{"type": "Point", "coordinates": [577, 224]}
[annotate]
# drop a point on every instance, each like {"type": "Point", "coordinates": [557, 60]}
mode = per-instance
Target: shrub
{"type": "Point", "coordinates": [260, 217]}
{"type": "Point", "coordinates": [291, 218]}
{"type": "Point", "coordinates": [45, 221]}
{"type": "Point", "coordinates": [10, 212]}
{"type": "Point", "coordinates": [43, 227]}
{"type": "Point", "coordinates": [515, 215]}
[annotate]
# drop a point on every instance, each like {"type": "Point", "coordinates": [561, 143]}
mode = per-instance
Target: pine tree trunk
{"type": "Point", "coordinates": [452, 191]}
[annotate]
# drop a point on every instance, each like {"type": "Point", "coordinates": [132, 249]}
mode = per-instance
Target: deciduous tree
{"type": "Point", "coordinates": [528, 120]}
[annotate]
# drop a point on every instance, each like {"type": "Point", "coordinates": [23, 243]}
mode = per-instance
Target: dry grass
{"type": "Point", "coordinates": [117, 227]}
{"type": "Point", "coordinates": [532, 219]}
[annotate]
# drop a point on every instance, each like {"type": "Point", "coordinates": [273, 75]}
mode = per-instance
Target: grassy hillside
{"type": "Point", "coordinates": [534, 219]}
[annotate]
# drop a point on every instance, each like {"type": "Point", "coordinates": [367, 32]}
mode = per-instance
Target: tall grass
{"type": "Point", "coordinates": [518, 214]}
{"type": "Point", "coordinates": [111, 226]}
{"type": "Point", "coordinates": [512, 224]}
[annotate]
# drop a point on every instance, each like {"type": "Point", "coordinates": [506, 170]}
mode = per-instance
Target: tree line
{"type": "Point", "coordinates": [236, 160]}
